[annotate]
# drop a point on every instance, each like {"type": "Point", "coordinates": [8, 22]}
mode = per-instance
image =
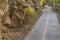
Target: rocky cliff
{"type": "Point", "coordinates": [17, 17]}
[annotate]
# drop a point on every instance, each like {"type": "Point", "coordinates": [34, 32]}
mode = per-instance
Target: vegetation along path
{"type": "Point", "coordinates": [46, 27]}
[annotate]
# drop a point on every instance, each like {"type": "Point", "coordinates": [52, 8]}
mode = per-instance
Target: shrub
{"type": "Point", "coordinates": [30, 11]}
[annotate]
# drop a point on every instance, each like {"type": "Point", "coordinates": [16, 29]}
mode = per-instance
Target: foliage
{"type": "Point", "coordinates": [42, 2]}
{"type": "Point", "coordinates": [30, 11]}
{"type": "Point", "coordinates": [58, 1]}
{"type": "Point", "coordinates": [56, 7]}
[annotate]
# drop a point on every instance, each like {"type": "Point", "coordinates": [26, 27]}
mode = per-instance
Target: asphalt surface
{"type": "Point", "coordinates": [46, 27]}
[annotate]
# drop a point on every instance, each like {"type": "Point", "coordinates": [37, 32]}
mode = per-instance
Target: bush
{"type": "Point", "coordinates": [30, 11]}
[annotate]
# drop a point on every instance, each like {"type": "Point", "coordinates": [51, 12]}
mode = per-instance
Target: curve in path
{"type": "Point", "coordinates": [46, 27]}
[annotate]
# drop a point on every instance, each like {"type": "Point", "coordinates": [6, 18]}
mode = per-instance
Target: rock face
{"type": "Point", "coordinates": [3, 9]}
{"type": "Point", "coordinates": [9, 12]}
{"type": "Point", "coordinates": [15, 14]}
{"type": "Point", "coordinates": [14, 10]}
{"type": "Point", "coordinates": [4, 6]}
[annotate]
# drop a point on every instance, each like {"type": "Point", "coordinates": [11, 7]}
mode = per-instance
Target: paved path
{"type": "Point", "coordinates": [46, 27]}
